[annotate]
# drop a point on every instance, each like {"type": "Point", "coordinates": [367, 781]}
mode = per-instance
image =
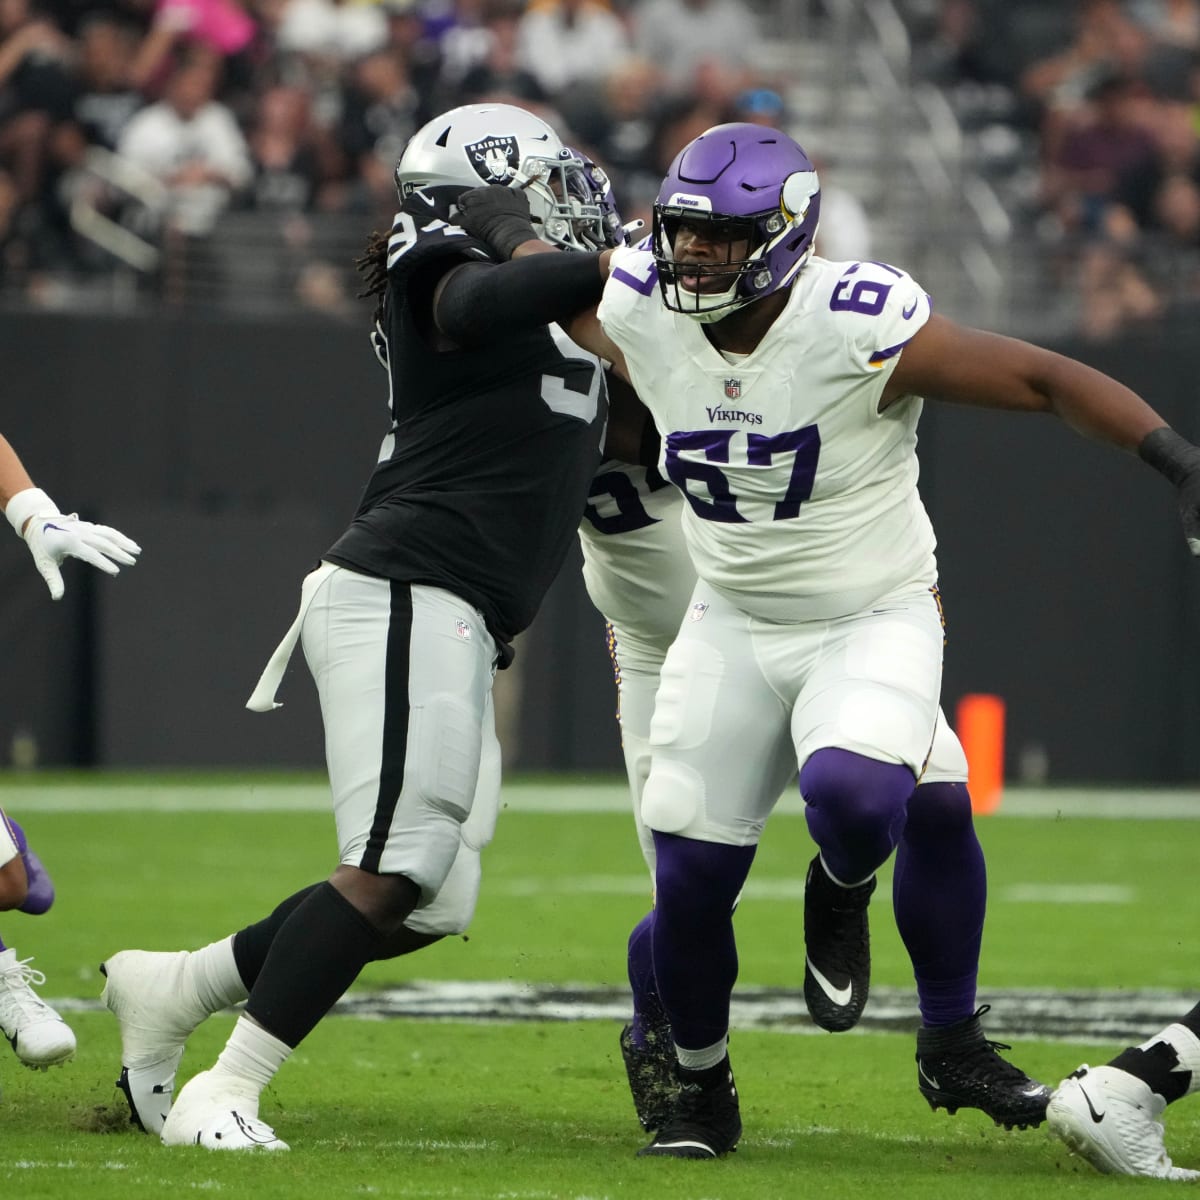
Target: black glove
{"type": "Point", "coordinates": [1177, 459]}
{"type": "Point", "coordinates": [497, 215]}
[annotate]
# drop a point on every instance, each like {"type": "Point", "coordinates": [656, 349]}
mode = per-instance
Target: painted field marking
{"type": "Point", "coordinates": [26, 793]}
{"type": "Point", "coordinates": [1102, 1016]}
{"type": "Point", "coordinates": [1068, 893]}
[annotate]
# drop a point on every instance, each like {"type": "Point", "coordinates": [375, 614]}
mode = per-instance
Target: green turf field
{"type": "Point", "coordinates": [538, 1108]}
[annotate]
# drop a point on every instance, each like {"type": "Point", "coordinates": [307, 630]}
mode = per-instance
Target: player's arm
{"type": "Point", "coordinates": [630, 435]}
{"type": "Point", "coordinates": [476, 303]}
{"type": "Point", "coordinates": [500, 216]}
{"type": "Point", "coordinates": [950, 362]}
{"type": "Point", "coordinates": [49, 534]}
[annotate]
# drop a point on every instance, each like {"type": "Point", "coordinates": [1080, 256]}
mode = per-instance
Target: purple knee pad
{"type": "Point", "coordinates": [856, 809]}
{"type": "Point", "coordinates": [40, 895]}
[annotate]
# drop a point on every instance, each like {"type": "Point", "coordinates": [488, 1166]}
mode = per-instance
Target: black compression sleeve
{"type": "Point", "coordinates": [1167, 452]}
{"type": "Point", "coordinates": [485, 301]}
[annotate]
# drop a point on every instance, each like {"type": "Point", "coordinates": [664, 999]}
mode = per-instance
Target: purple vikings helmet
{"type": "Point", "coordinates": [736, 182]}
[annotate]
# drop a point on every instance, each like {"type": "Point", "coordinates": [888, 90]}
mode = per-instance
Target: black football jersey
{"type": "Point", "coordinates": [483, 478]}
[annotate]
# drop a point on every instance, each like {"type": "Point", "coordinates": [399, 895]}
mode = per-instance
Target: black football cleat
{"type": "Point", "coordinates": [957, 1067]}
{"type": "Point", "coordinates": [651, 1072]}
{"type": "Point", "coordinates": [704, 1121]}
{"type": "Point", "coordinates": [837, 945]}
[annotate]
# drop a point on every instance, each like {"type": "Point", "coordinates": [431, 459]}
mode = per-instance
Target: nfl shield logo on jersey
{"type": "Point", "coordinates": [733, 388]}
{"type": "Point", "coordinates": [697, 611]}
{"type": "Point", "coordinates": [462, 629]}
{"type": "Point", "coordinates": [494, 158]}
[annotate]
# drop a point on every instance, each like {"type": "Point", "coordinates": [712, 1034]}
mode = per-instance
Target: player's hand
{"type": "Point", "coordinates": [52, 536]}
{"type": "Point", "coordinates": [1189, 508]}
{"type": "Point", "coordinates": [1177, 459]}
{"type": "Point", "coordinates": [497, 215]}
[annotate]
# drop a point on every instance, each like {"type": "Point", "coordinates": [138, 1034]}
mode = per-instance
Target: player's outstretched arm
{"type": "Point", "coordinates": [945, 361]}
{"type": "Point", "coordinates": [51, 535]}
{"type": "Point", "coordinates": [499, 215]}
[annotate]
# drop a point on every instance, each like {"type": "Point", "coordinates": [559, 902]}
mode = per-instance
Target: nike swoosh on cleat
{"type": "Point", "coordinates": [692, 1145]}
{"type": "Point", "coordinates": [925, 1075]}
{"type": "Point", "coordinates": [840, 996]}
{"type": "Point", "coordinates": [1096, 1117]}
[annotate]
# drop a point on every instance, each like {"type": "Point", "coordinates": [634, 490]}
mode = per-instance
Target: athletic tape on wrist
{"type": "Point", "coordinates": [32, 502]}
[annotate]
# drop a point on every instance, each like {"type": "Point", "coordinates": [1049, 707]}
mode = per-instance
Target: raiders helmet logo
{"type": "Point", "coordinates": [494, 158]}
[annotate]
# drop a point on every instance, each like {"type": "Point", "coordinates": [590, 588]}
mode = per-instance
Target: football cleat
{"type": "Point", "coordinates": [1111, 1118]}
{"type": "Point", "coordinates": [212, 1113]}
{"type": "Point", "coordinates": [837, 944]}
{"type": "Point", "coordinates": [40, 1038]}
{"type": "Point", "coordinates": [957, 1067]}
{"type": "Point", "coordinates": [651, 1072]}
{"type": "Point", "coordinates": [704, 1121]}
{"type": "Point", "coordinates": [156, 1009]}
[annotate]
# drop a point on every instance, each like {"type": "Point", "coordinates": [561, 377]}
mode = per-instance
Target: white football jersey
{"type": "Point", "coordinates": [635, 562]}
{"type": "Point", "coordinates": [802, 496]}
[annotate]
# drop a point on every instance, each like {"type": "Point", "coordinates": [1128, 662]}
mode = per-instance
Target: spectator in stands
{"type": "Point", "coordinates": [104, 96]}
{"type": "Point", "coordinates": [331, 29]}
{"type": "Point", "coordinates": [290, 157]}
{"type": "Point", "coordinates": [679, 35]}
{"type": "Point", "coordinates": [410, 36]}
{"type": "Point", "coordinates": [616, 118]}
{"type": "Point", "coordinates": [190, 141]}
{"type": "Point", "coordinates": [1109, 138]}
{"type": "Point", "coordinates": [500, 75]}
{"type": "Point", "coordinates": [35, 93]}
{"type": "Point", "coordinates": [566, 42]}
{"type": "Point", "coordinates": [222, 27]}
{"type": "Point", "coordinates": [379, 115]}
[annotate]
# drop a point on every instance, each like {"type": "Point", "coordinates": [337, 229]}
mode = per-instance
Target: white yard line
{"type": "Point", "coordinates": [26, 793]}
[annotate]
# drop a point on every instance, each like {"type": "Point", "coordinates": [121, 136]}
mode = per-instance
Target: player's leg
{"type": "Point", "coordinates": [939, 892]}
{"type": "Point", "coordinates": [39, 1037]}
{"type": "Point", "coordinates": [721, 756]}
{"type": "Point", "coordinates": [1111, 1115]}
{"type": "Point", "coordinates": [160, 998]}
{"type": "Point", "coordinates": [403, 674]}
{"type": "Point", "coordinates": [862, 728]}
{"type": "Point", "coordinates": [646, 1045]}
{"type": "Point", "coordinates": [638, 574]}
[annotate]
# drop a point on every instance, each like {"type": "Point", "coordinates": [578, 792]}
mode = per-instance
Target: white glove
{"type": "Point", "coordinates": [52, 536]}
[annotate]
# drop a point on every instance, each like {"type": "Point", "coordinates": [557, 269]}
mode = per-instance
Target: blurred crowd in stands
{"type": "Point", "coordinates": [129, 129]}
{"type": "Point", "coordinates": [127, 126]}
{"type": "Point", "coordinates": [1107, 95]}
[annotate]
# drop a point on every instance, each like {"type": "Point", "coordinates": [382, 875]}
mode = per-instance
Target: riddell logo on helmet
{"type": "Point", "coordinates": [494, 159]}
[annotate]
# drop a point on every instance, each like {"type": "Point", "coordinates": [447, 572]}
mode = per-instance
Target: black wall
{"type": "Point", "coordinates": [235, 453]}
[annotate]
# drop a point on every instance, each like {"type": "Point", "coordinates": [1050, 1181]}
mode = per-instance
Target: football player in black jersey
{"type": "Point", "coordinates": [38, 1035]}
{"type": "Point", "coordinates": [496, 427]}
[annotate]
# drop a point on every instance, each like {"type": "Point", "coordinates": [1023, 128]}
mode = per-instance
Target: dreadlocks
{"type": "Point", "coordinates": [372, 266]}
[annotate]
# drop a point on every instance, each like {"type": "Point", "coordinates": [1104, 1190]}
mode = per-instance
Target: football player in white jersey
{"type": "Point", "coordinates": [1111, 1115]}
{"type": "Point", "coordinates": [639, 576]}
{"type": "Point", "coordinates": [39, 1037]}
{"type": "Point", "coordinates": [786, 390]}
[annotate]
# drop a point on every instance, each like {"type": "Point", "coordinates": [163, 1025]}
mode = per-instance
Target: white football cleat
{"type": "Point", "coordinates": [37, 1034]}
{"type": "Point", "coordinates": [156, 1008]}
{"type": "Point", "coordinates": [1111, 1118]}
{"type": "Point", "coordinates": [212, 1113]}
